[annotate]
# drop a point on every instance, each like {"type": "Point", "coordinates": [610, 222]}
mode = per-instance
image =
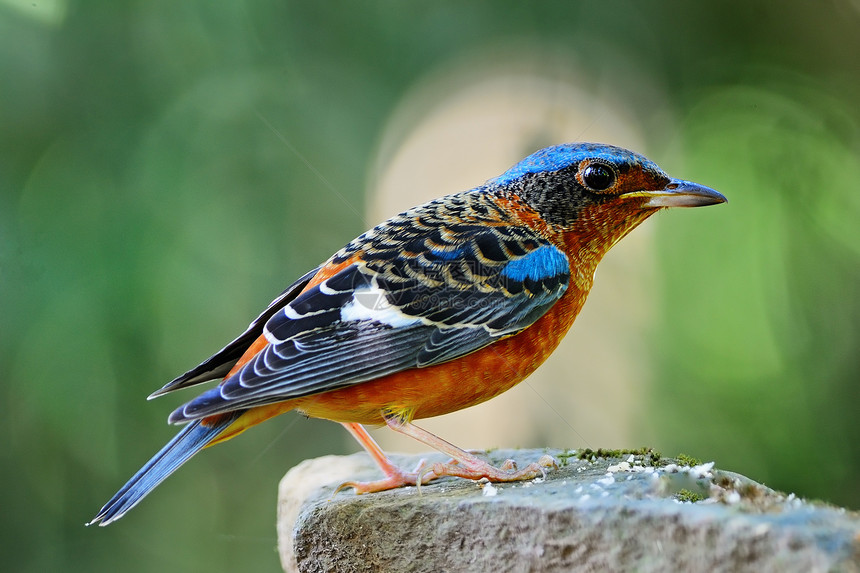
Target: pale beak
{"type": "Point", "coordinates": [680, 193]}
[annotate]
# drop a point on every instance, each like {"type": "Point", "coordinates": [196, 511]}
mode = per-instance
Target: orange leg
{"type": "Point", "coordinates": [462, 464]}
{"type": "Point", "coordinates": [394, 476]}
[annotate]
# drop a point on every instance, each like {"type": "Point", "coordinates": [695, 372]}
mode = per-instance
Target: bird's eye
{"type": "Point", "coordinates": [598, 177]}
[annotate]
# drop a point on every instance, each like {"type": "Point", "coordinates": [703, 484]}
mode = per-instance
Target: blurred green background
{"type": "Point", "coordinates": [167, 168]}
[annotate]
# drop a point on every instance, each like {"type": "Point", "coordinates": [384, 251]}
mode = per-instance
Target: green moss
{"type": "Point", "coordinates": [687, 495]}
{"type": "Point", "coordinates": [685, 460]}
{"type": "Point", "coordinates": [564, 457]}
{"type": "Point", "coordinates": [648, 455]}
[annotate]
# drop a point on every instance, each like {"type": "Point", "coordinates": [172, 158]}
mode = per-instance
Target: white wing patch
{"type": "Point", "coordinates": [370, 303]}
{"type": "Point", "coordinates": [270, 338]}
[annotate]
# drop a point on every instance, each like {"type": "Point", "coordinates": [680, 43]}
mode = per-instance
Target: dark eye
{"type": "Point", "coordinates": [598, 177]}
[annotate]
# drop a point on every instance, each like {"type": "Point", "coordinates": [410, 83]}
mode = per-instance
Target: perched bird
{"type": "Point", "coordinates": [439, 308]}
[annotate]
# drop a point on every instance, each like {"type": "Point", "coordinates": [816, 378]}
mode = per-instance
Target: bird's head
{"type": "Point", "coordinates": [597, 192]}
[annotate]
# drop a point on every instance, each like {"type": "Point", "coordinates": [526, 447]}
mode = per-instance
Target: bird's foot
{"type": "Point", "coordinates": [477, 469]}
{"type": "Point", "coordinates": [394, 478]}
{"type": "Point", "coordinates": [462, 464]}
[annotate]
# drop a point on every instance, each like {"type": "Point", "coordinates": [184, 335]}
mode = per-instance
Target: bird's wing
{"type": "Point", "coordinates": [220, 363]}
{"type": "Point", "coordinates": [434, 297]}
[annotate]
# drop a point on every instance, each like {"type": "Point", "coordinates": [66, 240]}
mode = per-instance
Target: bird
{"type": "Point", "coordinates": [439, 308]}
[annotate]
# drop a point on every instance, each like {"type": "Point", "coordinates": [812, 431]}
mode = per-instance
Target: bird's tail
{"type": "Point", "coordinates": [193, 438]}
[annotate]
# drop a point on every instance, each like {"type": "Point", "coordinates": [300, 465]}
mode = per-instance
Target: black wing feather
{"type": "Point", "coordinates": [434, 291]}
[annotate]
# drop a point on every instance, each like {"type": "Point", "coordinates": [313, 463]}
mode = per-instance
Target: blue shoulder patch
{"type": "Point", "coordinates": [542, 263]}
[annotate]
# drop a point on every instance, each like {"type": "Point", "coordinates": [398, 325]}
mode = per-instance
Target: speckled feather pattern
{"type": "Point", "coordinates": [460, 241]}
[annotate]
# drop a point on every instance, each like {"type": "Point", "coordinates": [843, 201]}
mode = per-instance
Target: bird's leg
{"type": "Point", "coordinates": [463, 463]}
{"type": "Point", "coordinates": [394, 476]}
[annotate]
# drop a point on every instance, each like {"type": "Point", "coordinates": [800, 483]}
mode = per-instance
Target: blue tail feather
{"type": "Point", "coordinates": [190, 440]}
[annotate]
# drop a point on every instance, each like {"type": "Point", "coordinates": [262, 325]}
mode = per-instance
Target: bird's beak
{"type": "Point", "coordinates": [680, 193]}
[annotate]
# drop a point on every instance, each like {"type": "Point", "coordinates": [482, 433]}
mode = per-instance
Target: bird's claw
{"type": "Point", "coordinates": [509, 465]}
{"type": "Point", "coordinates": [395, 478]}
{"type": "Point", "coordinates": [547, 461]}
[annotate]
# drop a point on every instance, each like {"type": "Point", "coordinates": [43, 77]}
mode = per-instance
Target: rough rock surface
{"type": "Point", "coordinates": [626, 511]}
